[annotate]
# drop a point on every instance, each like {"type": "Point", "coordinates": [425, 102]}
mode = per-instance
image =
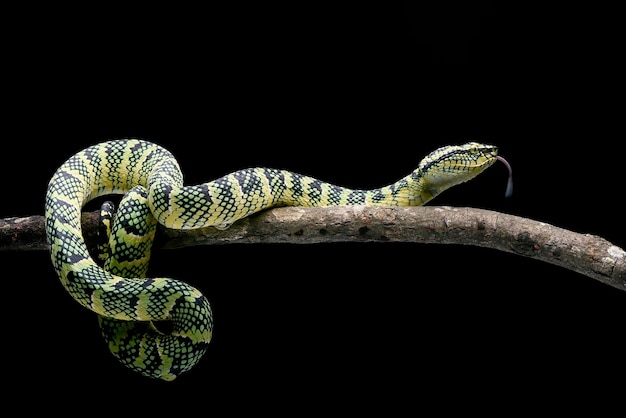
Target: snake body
{"type": "Point", "coordinates": [128, 303]}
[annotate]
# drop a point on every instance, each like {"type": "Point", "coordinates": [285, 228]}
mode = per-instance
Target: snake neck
{"type": "Point", "coordinates": [309, 191]}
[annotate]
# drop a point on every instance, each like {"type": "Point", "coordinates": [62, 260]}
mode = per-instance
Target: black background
{"type": "Point", "coordinates": [355, 94]}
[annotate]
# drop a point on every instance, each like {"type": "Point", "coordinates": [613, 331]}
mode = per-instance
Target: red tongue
{"type": "Point", "coordinates": [509, 184]}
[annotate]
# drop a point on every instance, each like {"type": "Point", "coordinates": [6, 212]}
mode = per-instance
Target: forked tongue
{"type": "Point", "coordinates": [509, 184]}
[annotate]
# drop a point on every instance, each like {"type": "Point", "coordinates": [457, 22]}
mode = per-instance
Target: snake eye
{"type": "Point", "coordinates": [474, 148]}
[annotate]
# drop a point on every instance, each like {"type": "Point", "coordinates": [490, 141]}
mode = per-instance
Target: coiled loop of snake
{"type": "Point", "coordinates": [127, 302]}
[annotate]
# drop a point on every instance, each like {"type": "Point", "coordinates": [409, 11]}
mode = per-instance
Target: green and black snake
{"type": "Point", "coordinates": [128, 303]}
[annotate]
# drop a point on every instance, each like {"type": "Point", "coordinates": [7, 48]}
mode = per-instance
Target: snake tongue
{"type": "Point", "coordinates": [509, 184]}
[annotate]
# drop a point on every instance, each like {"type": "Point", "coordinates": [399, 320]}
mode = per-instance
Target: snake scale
{"type": "Point", "coordinates": [131, 306]}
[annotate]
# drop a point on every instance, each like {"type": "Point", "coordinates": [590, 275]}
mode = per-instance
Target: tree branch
{"type": "Point", "coordinates": [586, 254]}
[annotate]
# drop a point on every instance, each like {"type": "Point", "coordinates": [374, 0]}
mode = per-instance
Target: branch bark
{"type": "Point", "coordinates": [586, 254]}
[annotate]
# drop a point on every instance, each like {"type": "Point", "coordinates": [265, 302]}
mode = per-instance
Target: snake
{"type": "Point", "coordinates": [161, 327]}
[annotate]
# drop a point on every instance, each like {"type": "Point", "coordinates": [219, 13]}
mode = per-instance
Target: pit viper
{"type": "Point", "coordinates": [131, 306]}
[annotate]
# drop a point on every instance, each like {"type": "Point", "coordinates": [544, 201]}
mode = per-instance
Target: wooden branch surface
{"type": "Point", "coordinates": [586, 254]}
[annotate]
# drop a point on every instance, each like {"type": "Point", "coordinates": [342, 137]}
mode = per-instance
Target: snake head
{"type": "Point", "coordinates": [451, 165]}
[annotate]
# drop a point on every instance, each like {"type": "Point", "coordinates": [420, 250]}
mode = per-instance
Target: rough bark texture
{"type": "Point", "coordinates": [586, 254]}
